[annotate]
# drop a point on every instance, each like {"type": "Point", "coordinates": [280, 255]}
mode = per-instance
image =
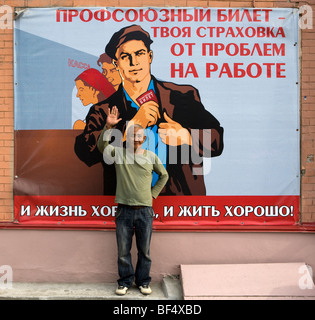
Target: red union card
{"type": "Point", "coordinates": [147, 96]}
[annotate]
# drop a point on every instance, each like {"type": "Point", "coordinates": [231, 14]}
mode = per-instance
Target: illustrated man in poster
{"type": "Point", "coordinates": [173, 113]}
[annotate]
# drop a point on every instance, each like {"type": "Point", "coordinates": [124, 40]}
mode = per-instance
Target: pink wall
{"type": "Point", "coordinates": [90, 256]}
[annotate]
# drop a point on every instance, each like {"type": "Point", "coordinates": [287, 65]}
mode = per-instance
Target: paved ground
{"type": "Point", "coordinates": [286, 281]}
{"type": "Point", "coordinates": [168, 289]}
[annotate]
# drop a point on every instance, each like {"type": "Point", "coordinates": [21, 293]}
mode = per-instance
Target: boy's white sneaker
{"type": "Point", "coordinates": [121, 290]}
{"type": "Point", "coordinates": [145, 289]}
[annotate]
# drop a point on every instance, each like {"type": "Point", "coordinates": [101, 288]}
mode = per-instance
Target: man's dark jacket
{"type": "Point", "coordinates": [182, 104]}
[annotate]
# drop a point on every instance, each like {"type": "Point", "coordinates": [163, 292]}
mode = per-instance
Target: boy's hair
{"type": "Point", "coordinates": [133, 127]}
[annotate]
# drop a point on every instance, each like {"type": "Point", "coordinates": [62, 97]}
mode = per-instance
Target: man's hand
{"type": "Point", "coordinates": [172, 133]}
{"type": "Point", "coordinates": [112, 118]}
{"type": "Point", "coordinates": [147, 116]}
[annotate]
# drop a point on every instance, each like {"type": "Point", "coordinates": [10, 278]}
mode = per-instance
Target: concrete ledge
{"type": "Point", "coordinates": [172, 288]}
{"type": "Point", "coordinates": [247, 281]}
{"type": "Point", "coordinates": [166, 290]}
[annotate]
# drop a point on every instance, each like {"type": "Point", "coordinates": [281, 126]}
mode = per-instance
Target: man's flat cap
{"type": "Point", "coordinates": [133, 32]}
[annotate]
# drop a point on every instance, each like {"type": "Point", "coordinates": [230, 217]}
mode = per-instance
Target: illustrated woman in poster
{"type": "Point", "coordinates": [92, 88]}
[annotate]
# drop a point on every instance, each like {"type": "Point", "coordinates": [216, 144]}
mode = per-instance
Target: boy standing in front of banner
{"type": "Point", "coordinates": [134, 170]}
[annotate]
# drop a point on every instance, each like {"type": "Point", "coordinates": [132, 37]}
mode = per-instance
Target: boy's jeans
{"type": "Point", "coordinates": [128, 221]}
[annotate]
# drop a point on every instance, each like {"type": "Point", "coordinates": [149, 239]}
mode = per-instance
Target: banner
{"type": "Point", "coordinates": [216, 89]}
